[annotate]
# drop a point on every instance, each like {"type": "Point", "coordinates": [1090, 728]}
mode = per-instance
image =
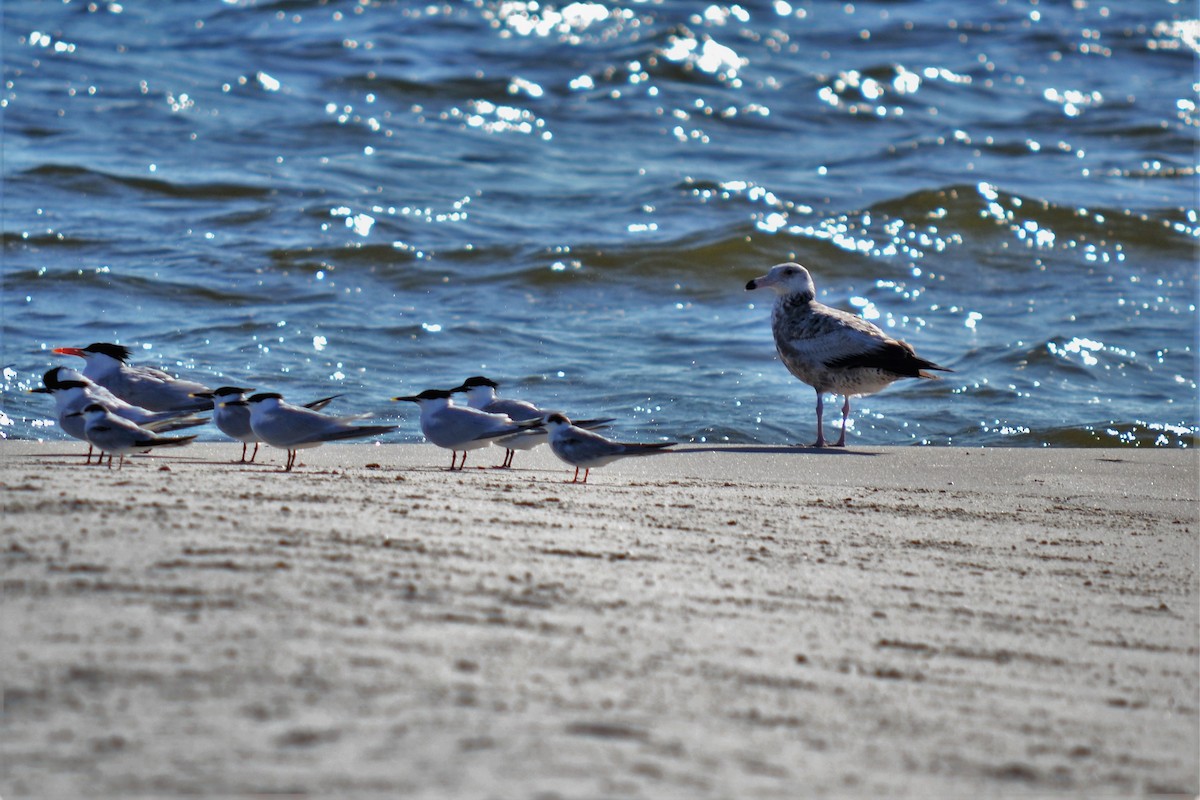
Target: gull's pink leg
{"type": "Point", "coordinates": [820, 442]}
{"type": "Point", "coordinates": [841, 442]}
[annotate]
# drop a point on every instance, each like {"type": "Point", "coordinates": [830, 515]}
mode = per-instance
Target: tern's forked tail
{"type": "Point", "coordinates": [646, 449]}
{"type": "Point", "coordinates": [165, 441]}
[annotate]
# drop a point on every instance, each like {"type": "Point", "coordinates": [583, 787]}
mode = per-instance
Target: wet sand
{"type": "Point", "coordinates": [721, 623]}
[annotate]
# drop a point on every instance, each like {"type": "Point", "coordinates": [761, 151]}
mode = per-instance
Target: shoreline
{"type": "Point", "coordinates": [717, 621]}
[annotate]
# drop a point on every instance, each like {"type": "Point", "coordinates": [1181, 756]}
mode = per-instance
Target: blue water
{"type": "Point", "coordinates": [375, 198]}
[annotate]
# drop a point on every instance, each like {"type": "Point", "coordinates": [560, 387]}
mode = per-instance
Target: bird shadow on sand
{"type": "Point", "coordinates": [762, 449]}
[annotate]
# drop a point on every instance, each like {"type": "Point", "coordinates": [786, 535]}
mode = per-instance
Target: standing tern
{"type": "Point", "coordinates": [585, 449]}
{"type": "Point", "coordinates": [232, 415]}
{"type": "Point", "coordinates": [73, 392]}
{"type": "Point", "coordinates": [293, 428]}
{"type": "Point", "coordinates": [117, 436]}
{"type": "Point", "coordinates": [481, 394]}
{"type": "Point", "coordinates": [462, 428]}
{"type": "Point", "coordinates": [833, 351]}
{"type": "Point", "coordinates": [108, 365]}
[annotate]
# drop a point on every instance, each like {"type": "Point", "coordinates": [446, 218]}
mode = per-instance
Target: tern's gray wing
{"type": "Point", "coordinates": [458, 425]}
{"type": "Point", "coordinates": [288, 425]}
{"type": "Point", "coordinates": [348, 432]}
{"type": "Point", "coordinates": [580, 445]}
{"type": "Point", "coordinates": [115, 434]}
{"type": "Point", "coordinates": [519, 410]}
{"type": "Point", "coordinates": [156, 390]}
{"type": "Point", "coordinates": [177, 422]}
{"type": "Point", "coordinates": [292, 426]}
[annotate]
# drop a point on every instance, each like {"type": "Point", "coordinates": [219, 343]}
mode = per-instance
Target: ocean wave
{"type": "Point", "coordinates": [92, 182]}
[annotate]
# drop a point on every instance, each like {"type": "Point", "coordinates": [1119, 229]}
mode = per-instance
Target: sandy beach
{"type": "Point", "coordinates": [729, 622]}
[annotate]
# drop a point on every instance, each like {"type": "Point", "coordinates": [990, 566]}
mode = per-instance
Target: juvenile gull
{"type": "Point", "coordinates": [584, 449]}
{"type": "Point", "coordinates": [833, 351]}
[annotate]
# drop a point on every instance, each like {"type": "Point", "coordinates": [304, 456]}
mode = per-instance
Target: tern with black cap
{"type": "Point", "coordinates": [108, 365]}
{"type": "Point", "coordinates": [294, 428]}
{"type": "Point", "coordinates": [117, 436]}
{"type": "Point", "coordinates": [461, 428]}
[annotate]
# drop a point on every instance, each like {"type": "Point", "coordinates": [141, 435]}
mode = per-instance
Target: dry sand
{"type": "Point", "coordinates": [732, 623]}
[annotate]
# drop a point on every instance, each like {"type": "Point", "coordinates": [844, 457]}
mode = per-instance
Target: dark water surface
{"type": "Point", "coordinates": [375, 198]}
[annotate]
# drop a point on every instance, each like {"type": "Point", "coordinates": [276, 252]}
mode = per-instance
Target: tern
{"type": "Point", "coordinates": [585, 449]}
{"type": "Point", "coordinates": [293, 428]}
{"type": "Point", "coordinates": [108, 365]}
{"type": "Point", "coordinates": [833, 351]}
{"type": "Point", "coordinates": [232, 415]}
{"type": "Point", "coordinates": [72, 392]}
{"type": "Point", "coordinates": [462, 428]}
{"type": "Point", "coordinates": [117, 436]}
{"type": "Point", "coordinates": [481, 394]}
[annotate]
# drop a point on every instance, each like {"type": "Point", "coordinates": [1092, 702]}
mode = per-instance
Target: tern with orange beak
{"type": "Point", "coordinates": [153, 389]}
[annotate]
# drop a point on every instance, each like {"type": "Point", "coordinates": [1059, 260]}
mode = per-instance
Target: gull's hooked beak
{"type": "Point", "coordinates": [757, 283]}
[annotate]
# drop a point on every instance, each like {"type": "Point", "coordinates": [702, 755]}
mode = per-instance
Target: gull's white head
{"type": "Point", "coordinates": [786, 279]}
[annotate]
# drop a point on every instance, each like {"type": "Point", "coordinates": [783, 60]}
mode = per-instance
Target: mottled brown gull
{"type": "Point", "coordinates": [833, 351]}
